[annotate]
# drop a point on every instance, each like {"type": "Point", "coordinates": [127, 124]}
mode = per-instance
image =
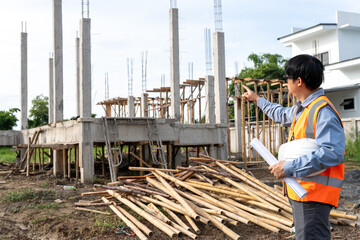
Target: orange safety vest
{"type": "Point", "coordinates": [325, 187]}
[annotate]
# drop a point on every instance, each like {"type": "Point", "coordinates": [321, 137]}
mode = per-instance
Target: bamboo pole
{"type": "Point", "coordinates": [248, 176]}
{"type": "Point", "coordinates": [269, 120]}
{"type": "Point", "coordinates": [183, 230]}
{"type": "Point", "coordinates": [257, 121]}
{"type": "Point", "coordinates": [140, 160]}
{"type": "Point", "coordinates": [91, 210]}
{"type": "Point", "coordinates": [249, 130]}
{"type": "Point", "coordinates": [192, 224]}
{"type": "Point", "coordinates": [176, 218]}
{"type": "Point", "coordinates": [251, 183]}
{"type": "Point", "coordinates": [252, 218]}
{"type": "Point", "coordinates": [157, 223]}
{"type": "Point", "coordinates": [250, 192]}
{"type": "Point", "coordinates": [243, 142]}
{"type": "Point", "coordinates": [342, 215]}
{"type": "Point", "coordinates": [77, 162]}
{"type": "Point", "coordinates": [69, 163]}
{"type": "Point", "coordinates": [28, 160]}
{"type": "Point", "coordinates": [216, 222]}
{"type": "Point", "coordinates": [259, 213]}
{"type": "Point", "coordinates": [140, 225]}
{"type": "Point", "coordinates": [149, 169]}
{"type": "Point", "coordinates": [174, 194]}
{"type": "Point", "coordinates": [131, 225]}
{"type": "Point", "coordinates": [215, 189]}
{"type": "Point", "coordinates": [158, 212]}
{"type": "Point", "coordinates": [34, 160]}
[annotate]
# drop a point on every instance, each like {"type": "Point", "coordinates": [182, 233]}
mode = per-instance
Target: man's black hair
{"type": "Point", "coordinates": [308, 68]}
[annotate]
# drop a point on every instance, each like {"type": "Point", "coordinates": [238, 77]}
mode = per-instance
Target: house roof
{"type": "Point", "coordinates": [348, 63]}
{"type": "Point", "coordinates": [341, 88]}
{"type": "Point", "coordinates": [307, 31]}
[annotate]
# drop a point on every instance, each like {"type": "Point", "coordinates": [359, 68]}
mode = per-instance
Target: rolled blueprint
{"type": "Point", "coordinates": [271, 160]}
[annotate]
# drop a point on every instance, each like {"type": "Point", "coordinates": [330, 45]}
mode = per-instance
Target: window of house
{"type": "Point", "coordinates": [323, 57]}
{"type": "Point", "coordinates": [348, 104]}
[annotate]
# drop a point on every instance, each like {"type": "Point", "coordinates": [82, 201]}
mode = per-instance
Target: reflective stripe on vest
{"type": "Point", "coordinates": [324, 180]}
{"type": "Point", "coordinates": [324, 187]}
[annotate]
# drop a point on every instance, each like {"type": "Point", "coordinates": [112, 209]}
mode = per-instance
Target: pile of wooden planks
{"type": "Point", "coordinates": [215, 191]}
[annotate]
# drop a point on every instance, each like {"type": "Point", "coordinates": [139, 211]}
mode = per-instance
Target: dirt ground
{"type": "Point", "coordinates": [34, 214]}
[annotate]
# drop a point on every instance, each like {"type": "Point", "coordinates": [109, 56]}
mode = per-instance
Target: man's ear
{"type": "Point", "coordinates": [300, 82]}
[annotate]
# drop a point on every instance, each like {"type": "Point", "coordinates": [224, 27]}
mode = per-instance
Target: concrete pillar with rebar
{"type": "Point", "coordinates": [24, 82]}
{"type": "Point", "coordinates": [86, 152]}
{"type": "Point", "coordinates": [174, 63]}
{"type": "Point", "coordinates": [131, 107]}
{"type": "Point", "coordinates": [51, 90]}
{"type": "Point", "coordinates": [220, 90]}
{"type": "Point", "coordinates": [144, 105]}
{"type": "Point", "coordinates": [210, 101]}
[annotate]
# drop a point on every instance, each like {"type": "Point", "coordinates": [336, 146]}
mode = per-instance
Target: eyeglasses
{"type": "Point", "coordinates": [285, 78]}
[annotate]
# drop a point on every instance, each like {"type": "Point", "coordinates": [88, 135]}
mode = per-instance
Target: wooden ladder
{"type": "Point", "coordinates": [113, 150]}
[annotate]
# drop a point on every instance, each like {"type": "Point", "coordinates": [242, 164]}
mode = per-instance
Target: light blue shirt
{"type": "Point", "coordinates": [329, 136]}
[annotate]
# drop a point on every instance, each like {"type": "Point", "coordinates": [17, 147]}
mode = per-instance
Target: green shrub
{"type": "Point", "coordinates": [352, 148]}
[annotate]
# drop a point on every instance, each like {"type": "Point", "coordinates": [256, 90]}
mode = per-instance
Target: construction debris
{"type": "Point", "coordinates": [175, 200]}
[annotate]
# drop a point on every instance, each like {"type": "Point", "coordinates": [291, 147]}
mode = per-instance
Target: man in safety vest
{"type": "Point", "coordinates": [313, 116]}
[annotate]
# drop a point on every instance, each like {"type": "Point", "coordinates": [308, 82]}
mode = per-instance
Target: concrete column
{"type": "Point", "coordinates": [58, 62]}
{"type": "Point", "coordinates": [237, 115]}
{"type": "Point", "coordinates": [220, 90]}
{"type": "Point", "coordinates": [131, 107]}
{"type": "Point", "coordinates": [174, 63]}
{"type": "Point", "coordinates": [77, 71]}
{"type": "Point", "coordinates": [210, 100]}
{"type": "Point", "coordinates": [85, 68]}
{"type": "Point", "coordinates": [86, 151]}
{"type": "Point", "coordinates": [219, 77]}
{"type": "Point", "coordinates": [86, 145]}
{"type": "Point", "coordinates": [144, 105]}
{"type": "Point", "coordinates": [51, 90]}
{"type": "Point", "coordinates": [24, 88]}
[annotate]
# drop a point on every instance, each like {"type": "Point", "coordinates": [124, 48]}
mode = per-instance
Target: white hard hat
{"type": "Point", "coordinates": [292, 150]}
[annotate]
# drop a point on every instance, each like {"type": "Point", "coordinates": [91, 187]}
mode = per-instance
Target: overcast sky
{"type": "Point", "coordinates": [122, 29]}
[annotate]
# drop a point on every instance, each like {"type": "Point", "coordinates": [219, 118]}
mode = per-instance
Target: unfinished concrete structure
{"type": "Point", "coordinates": [160, 124]}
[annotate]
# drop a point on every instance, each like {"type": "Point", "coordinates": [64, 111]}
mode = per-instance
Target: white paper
{"type": "Point", "coordinates": [271, 160]}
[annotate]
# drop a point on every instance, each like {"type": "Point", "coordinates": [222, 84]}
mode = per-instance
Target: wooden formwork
{"type": "Point", "coordinates": [260, 126]}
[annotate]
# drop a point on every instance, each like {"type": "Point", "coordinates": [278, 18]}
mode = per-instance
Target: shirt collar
{"type": "Point", "coordinates": [311, 97]}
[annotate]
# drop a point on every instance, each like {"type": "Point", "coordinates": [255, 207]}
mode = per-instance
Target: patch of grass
{"type": "Point", "coordinates": [20, 196]}
{"type": "Point", "coordinates": [51, 205]}
{"type": "Point", "coordinates": [109, 223]}
{"type": "Point", "coordinates": [40, 220]}
{"type": "Point", "coordinates": [6, 156]}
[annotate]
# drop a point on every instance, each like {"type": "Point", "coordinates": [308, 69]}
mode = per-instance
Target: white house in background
{"type": "Point", "coordinates": [337, 45]}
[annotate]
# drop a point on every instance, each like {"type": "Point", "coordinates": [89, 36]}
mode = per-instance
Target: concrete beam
{"type": "Point", "coordinates": [210, 99]}
{"type": "Point", "coordinates": [85, 68]}
{"type": "Point", "coordinates": [58, 62]}
{"type": "Point", "coordinates": [24, 82]}
{"type": "Point", "coordinates": [51, 90]}
{"type": "Point", "coordinates": [174, 63]}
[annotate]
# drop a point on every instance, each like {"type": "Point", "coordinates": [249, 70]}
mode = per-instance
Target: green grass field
{"type": "Point", "coordinates": [6, 156]}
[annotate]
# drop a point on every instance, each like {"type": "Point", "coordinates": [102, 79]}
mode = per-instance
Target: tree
{"type": "Point", "coordinates": [39, 114]}
{"type": "Point", "coordinates": [268, 66]}
{"type": "Point", "coordinates": [265, 66]}
{"type": "Point", "coordinates": [8, 119]}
